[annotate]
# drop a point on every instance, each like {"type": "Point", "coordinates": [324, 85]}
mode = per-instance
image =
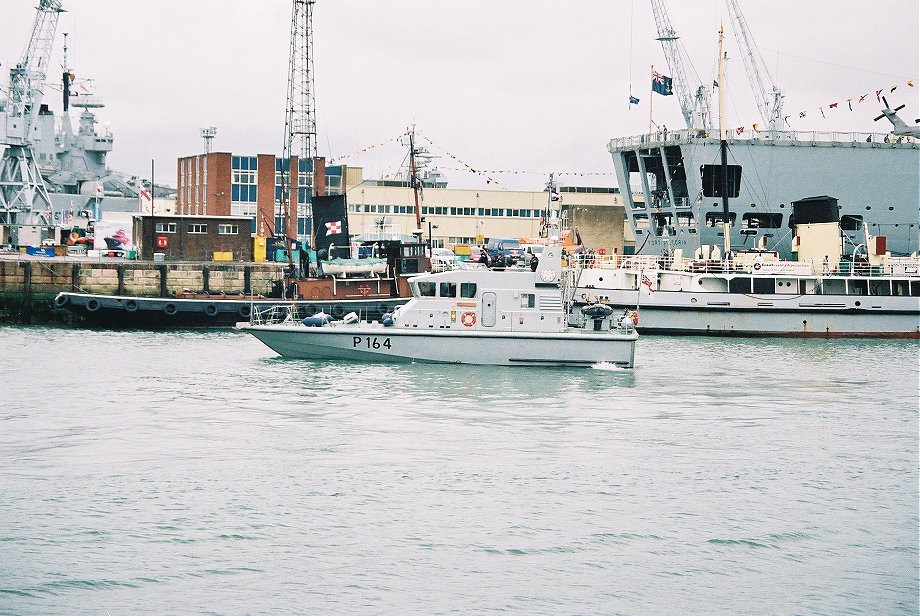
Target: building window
{"type": "Point", "coordinates": [467, 289]}
{"type": "Point", "coordinates": [165, 227]}
{"type": "Point", "coordinates": [198, 228]}
{"type": "Point", "coordinates": [228, 229]}
{"type": "Point", "coordinates": [243, 187]}
{"type": "Point", "coordinates": [334, 184]}
{"type": "Point", "coordinates": [243, 209]}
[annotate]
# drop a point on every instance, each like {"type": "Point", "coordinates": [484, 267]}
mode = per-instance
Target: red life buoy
{"type": "Point", "coordinates": [468, 319]}
{"type": "Point", "coordinates": [634, 314]}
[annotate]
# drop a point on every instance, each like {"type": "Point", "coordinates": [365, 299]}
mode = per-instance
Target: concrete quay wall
{"type": "Point", "coordinates": [29, 286]}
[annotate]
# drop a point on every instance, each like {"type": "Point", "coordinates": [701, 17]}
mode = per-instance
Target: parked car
{"type": "Point", "coordinates": [443, 259]}
{"type": "Point", "coordinates": [505, 252]}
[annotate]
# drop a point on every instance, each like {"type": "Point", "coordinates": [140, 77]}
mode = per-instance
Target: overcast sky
{"type": "Point", "coordinates": [531, 86]}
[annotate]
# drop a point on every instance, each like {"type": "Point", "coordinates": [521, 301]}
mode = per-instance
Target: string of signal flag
{"type": "Point", "coordinates": [662, 84]}
{"type": "Point", "coordinates": [488, 174]}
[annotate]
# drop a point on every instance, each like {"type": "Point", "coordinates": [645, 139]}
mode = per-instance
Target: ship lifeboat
{"type": "Point", "coordinates": [354, 267]}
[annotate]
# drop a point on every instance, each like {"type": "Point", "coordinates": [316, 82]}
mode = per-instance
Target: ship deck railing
{"type": "Point", "coordinates": [276, 314]}
{"type": "Point", "coordinates": [290, 313]}
{"type": "Point", "coordinates": [908, 267]}
{"type": "Point", "coordinates": [829, 138]}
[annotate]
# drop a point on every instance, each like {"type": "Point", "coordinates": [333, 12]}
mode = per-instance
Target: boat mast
{"type": "Point", "coordinates": [723, 146]}
{"type": "Point", "coordinates": [413, 178]}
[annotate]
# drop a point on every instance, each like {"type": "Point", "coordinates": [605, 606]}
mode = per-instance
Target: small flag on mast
{"type": "Point", "coordinates": [633, 100]}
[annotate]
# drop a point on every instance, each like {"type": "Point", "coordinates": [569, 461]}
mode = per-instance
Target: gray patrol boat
{"type": "Point", "coordinates": [465, 316]}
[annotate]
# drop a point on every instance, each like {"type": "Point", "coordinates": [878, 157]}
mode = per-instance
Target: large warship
{"type": "Point", "coordinates": [873, 176]}
{"type": "Point", "coordinates": [50, 172]}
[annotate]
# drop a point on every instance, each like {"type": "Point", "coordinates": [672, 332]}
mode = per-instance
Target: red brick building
{"type": "Point", "coordinates": [193, 238]}
{"type": "Point", "coordinates": [224, 184]}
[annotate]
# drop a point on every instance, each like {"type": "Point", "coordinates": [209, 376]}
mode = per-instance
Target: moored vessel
{"type": "Point", "coordinates": [375, 283]}
{"type": "Point", "coordinates": [756, 293]}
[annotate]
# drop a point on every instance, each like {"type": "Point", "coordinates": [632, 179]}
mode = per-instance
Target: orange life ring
{"type": "Point", "coordinates": [468, 319]}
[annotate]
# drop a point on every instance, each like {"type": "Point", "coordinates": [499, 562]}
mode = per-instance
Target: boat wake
{"type": "Point", "coordinates": [606, 365]}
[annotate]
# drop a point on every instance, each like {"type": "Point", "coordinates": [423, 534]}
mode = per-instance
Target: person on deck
{"type": "Point", "coordinates": [484, 256]}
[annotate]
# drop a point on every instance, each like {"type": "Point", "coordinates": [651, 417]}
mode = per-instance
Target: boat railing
{"type": "Point", "coordinates": [689, 135]}
{"type": "Point", "coordinates": [274, 314]}
{"type": "Point", "coordinates": [891, 266]}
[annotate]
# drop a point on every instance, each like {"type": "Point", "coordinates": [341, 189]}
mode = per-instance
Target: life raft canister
{"type": "Point", "coordinates": [468, 319]}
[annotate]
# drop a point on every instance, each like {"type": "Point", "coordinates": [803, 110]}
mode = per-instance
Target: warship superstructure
{"type": "Point", "coordinates": [873, 176]}
{"type": "Point", "coordinates": [680, 179]}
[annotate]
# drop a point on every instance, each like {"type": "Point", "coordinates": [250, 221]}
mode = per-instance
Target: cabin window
{"type": "Point", "coordinates": [448, 289]}
{"type": "Point", "coordinates": [716, 219]}
{"type": "Point", "coordinates": [528, 300]}
{"type": "Point", "coordinates": [915, 288]}
{"type": "Point", "coordinates": [879, 287]}
{"type": "Point", "coordinates": [739, 285]}
{"type": "Point", "coordinates": [426, 289]}
{"type": "Point", "coordinates": [761, 220]}
{"type": "Point", "coordinates": [900, 287]}
{"type": "Point", "coordinates": [858, 287]}
{"type": "Point", "coordinates": [764, 285]}
{"type": "Point", "coordinates": [685, 219]}
{"type": "Point", "coordinates": [849, 222]}
{"type": "Point", "coordinates": [712, 180]}
{"type": "Point", "coordinates": [467, 289]}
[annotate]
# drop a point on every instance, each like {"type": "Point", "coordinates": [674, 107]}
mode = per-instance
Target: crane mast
{"type": "Point", "coordinates": [769, 104]}
{"type": "Point", "coordinates": [299, 121]}
{"type": "Point", "coordinates": [694, 105]}
{"type": "Point", "coordinates": [21, 186]}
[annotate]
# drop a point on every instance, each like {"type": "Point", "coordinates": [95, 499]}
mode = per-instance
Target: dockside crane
{"type": "Point", "coordinates": [770, 104]}
{"type": "Point", "coordinates": [22, 189]}
{"type": "Point", "coordinates": [694, 104]}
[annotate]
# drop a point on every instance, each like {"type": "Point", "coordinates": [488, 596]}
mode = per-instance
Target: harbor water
{"type": "Point", "coordinates": [195, 472]}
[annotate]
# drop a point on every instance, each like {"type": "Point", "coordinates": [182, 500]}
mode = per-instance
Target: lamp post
{"type": "Point", "coordinates": [430, 245]}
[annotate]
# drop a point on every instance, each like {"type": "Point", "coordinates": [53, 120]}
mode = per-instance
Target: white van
{"type": "Point", "coordinates": [531, 252]}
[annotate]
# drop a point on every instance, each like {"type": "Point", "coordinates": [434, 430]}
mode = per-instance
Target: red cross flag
{"type": "Point", "coordinates": [334, 228]}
